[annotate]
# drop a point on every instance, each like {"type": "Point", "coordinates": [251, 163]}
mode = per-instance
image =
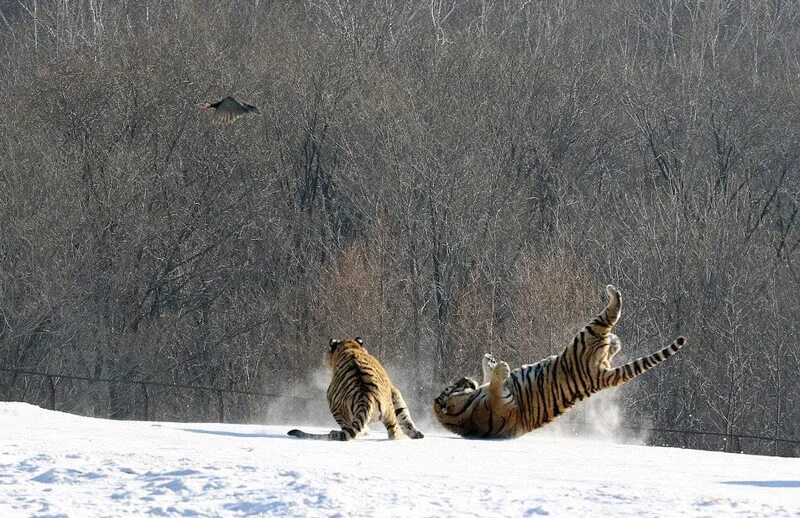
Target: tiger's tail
{"type": "Point", "coordinates": [300, 434]}
{"type": "Point", "coordinates": [625, 373]}
{"type": "Point", "coordinates": [404, 416]}
{"type": "Point", "coordinates": [602, 324]}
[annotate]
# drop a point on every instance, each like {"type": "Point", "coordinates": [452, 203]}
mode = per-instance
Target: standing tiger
{"type": "Point", "coordinates": [512, 403]}
{"type": "Point", "coordinates": [361, 391]}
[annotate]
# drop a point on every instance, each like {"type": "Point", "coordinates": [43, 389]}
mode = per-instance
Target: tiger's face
{"type": "Point", "coordinates": [337, 347]}
{"type": "Point", "coordinates": [450, 405]}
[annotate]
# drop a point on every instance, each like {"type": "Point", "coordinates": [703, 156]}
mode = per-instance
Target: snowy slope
{"type": "Point", "coordinates": [55, 464]}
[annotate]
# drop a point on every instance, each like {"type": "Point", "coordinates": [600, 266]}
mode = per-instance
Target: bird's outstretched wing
{"type": "Point", "coordinates": [228, 109]}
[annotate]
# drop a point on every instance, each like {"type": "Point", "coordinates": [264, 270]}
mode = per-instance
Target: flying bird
{"type": "Point", "coordinates": [228, 109]}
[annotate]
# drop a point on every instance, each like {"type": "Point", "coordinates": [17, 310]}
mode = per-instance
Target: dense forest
{"type": "Point", "coordinates": [441, 177]}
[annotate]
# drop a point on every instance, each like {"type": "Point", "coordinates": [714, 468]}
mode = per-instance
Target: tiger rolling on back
{"type": "Point", "coordinates": [361, 391]}
{"type": "Point", "coordinates": [511, 403]}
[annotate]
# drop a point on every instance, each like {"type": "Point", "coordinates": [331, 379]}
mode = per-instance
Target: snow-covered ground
{"type": "Point", "coordinates": [56, 464]}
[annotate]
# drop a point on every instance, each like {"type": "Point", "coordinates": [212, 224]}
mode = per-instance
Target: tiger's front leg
{"type": "Point", "coordinates": [503, 412]}
{"type": "Point", "coordinates": [498, 389]}
{"type": "Point", "coordinates": [487, 364]}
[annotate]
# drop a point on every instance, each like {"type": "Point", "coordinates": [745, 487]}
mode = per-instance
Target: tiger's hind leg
{"type": "Point", "coordinates": [602, 324]}
{"type": "Point", "coordinates": [389, 420]}
{"type": "Point", "coordinates": [616, 345]}
{"type": "Point", "coordinates": [342, 422]}
{"type": "Point", "coordinates": [404, 416]}
{"type": "Point", "coordinates": [352, 421]}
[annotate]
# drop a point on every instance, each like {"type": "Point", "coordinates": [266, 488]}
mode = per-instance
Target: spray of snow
{"type": "Point", "coordinates": [302, 402]}
{"type": "Point", "coordinates": [419, 401]}
{"type": "Point", "coordinates": [602, 418]}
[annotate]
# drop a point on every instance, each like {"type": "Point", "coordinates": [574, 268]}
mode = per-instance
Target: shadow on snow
{"type": "Point", "coordinates": [764, 483]}
{"type": "Point", "coordinates": [237, 434]}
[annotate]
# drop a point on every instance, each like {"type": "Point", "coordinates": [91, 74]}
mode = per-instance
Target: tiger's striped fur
{"type": "Point", "coordinates": [361, 391]}
{"type": "Point", "coordinates": [512, 403]}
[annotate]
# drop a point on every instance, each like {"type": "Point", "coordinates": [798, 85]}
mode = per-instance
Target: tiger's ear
{"type": "Point", "coordinates": [360, 340]}
{"type": "Point", "coordinates": [333, 343]}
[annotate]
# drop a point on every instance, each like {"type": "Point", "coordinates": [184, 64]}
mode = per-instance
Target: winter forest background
{"type": "Point", "coordinates": [442, 178]}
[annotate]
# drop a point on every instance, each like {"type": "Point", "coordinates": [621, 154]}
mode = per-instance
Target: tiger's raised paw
{"type": "Point", "coordinates": [488, 361]}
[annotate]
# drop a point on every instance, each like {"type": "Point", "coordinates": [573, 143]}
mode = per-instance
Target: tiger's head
{"type": "Point", "coordinates": [451, 407]}
{"type": "Point", "coordinates": [338, 347]}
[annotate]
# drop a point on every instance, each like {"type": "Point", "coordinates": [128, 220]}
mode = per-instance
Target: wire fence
{"type": "Point", "coordinates": [52, 404]}
{"type": "Point", "coordinates": [731, 442]}
{"type": "Point", "coordinates": [144, 385]}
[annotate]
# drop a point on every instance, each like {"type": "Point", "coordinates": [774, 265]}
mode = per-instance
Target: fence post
{"type": "Point", "coordinates": [52, 392]}
{"type": "Point", "coordinates": [220, 406]}
{"type": "Point", "coordinates": [146, 402]}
